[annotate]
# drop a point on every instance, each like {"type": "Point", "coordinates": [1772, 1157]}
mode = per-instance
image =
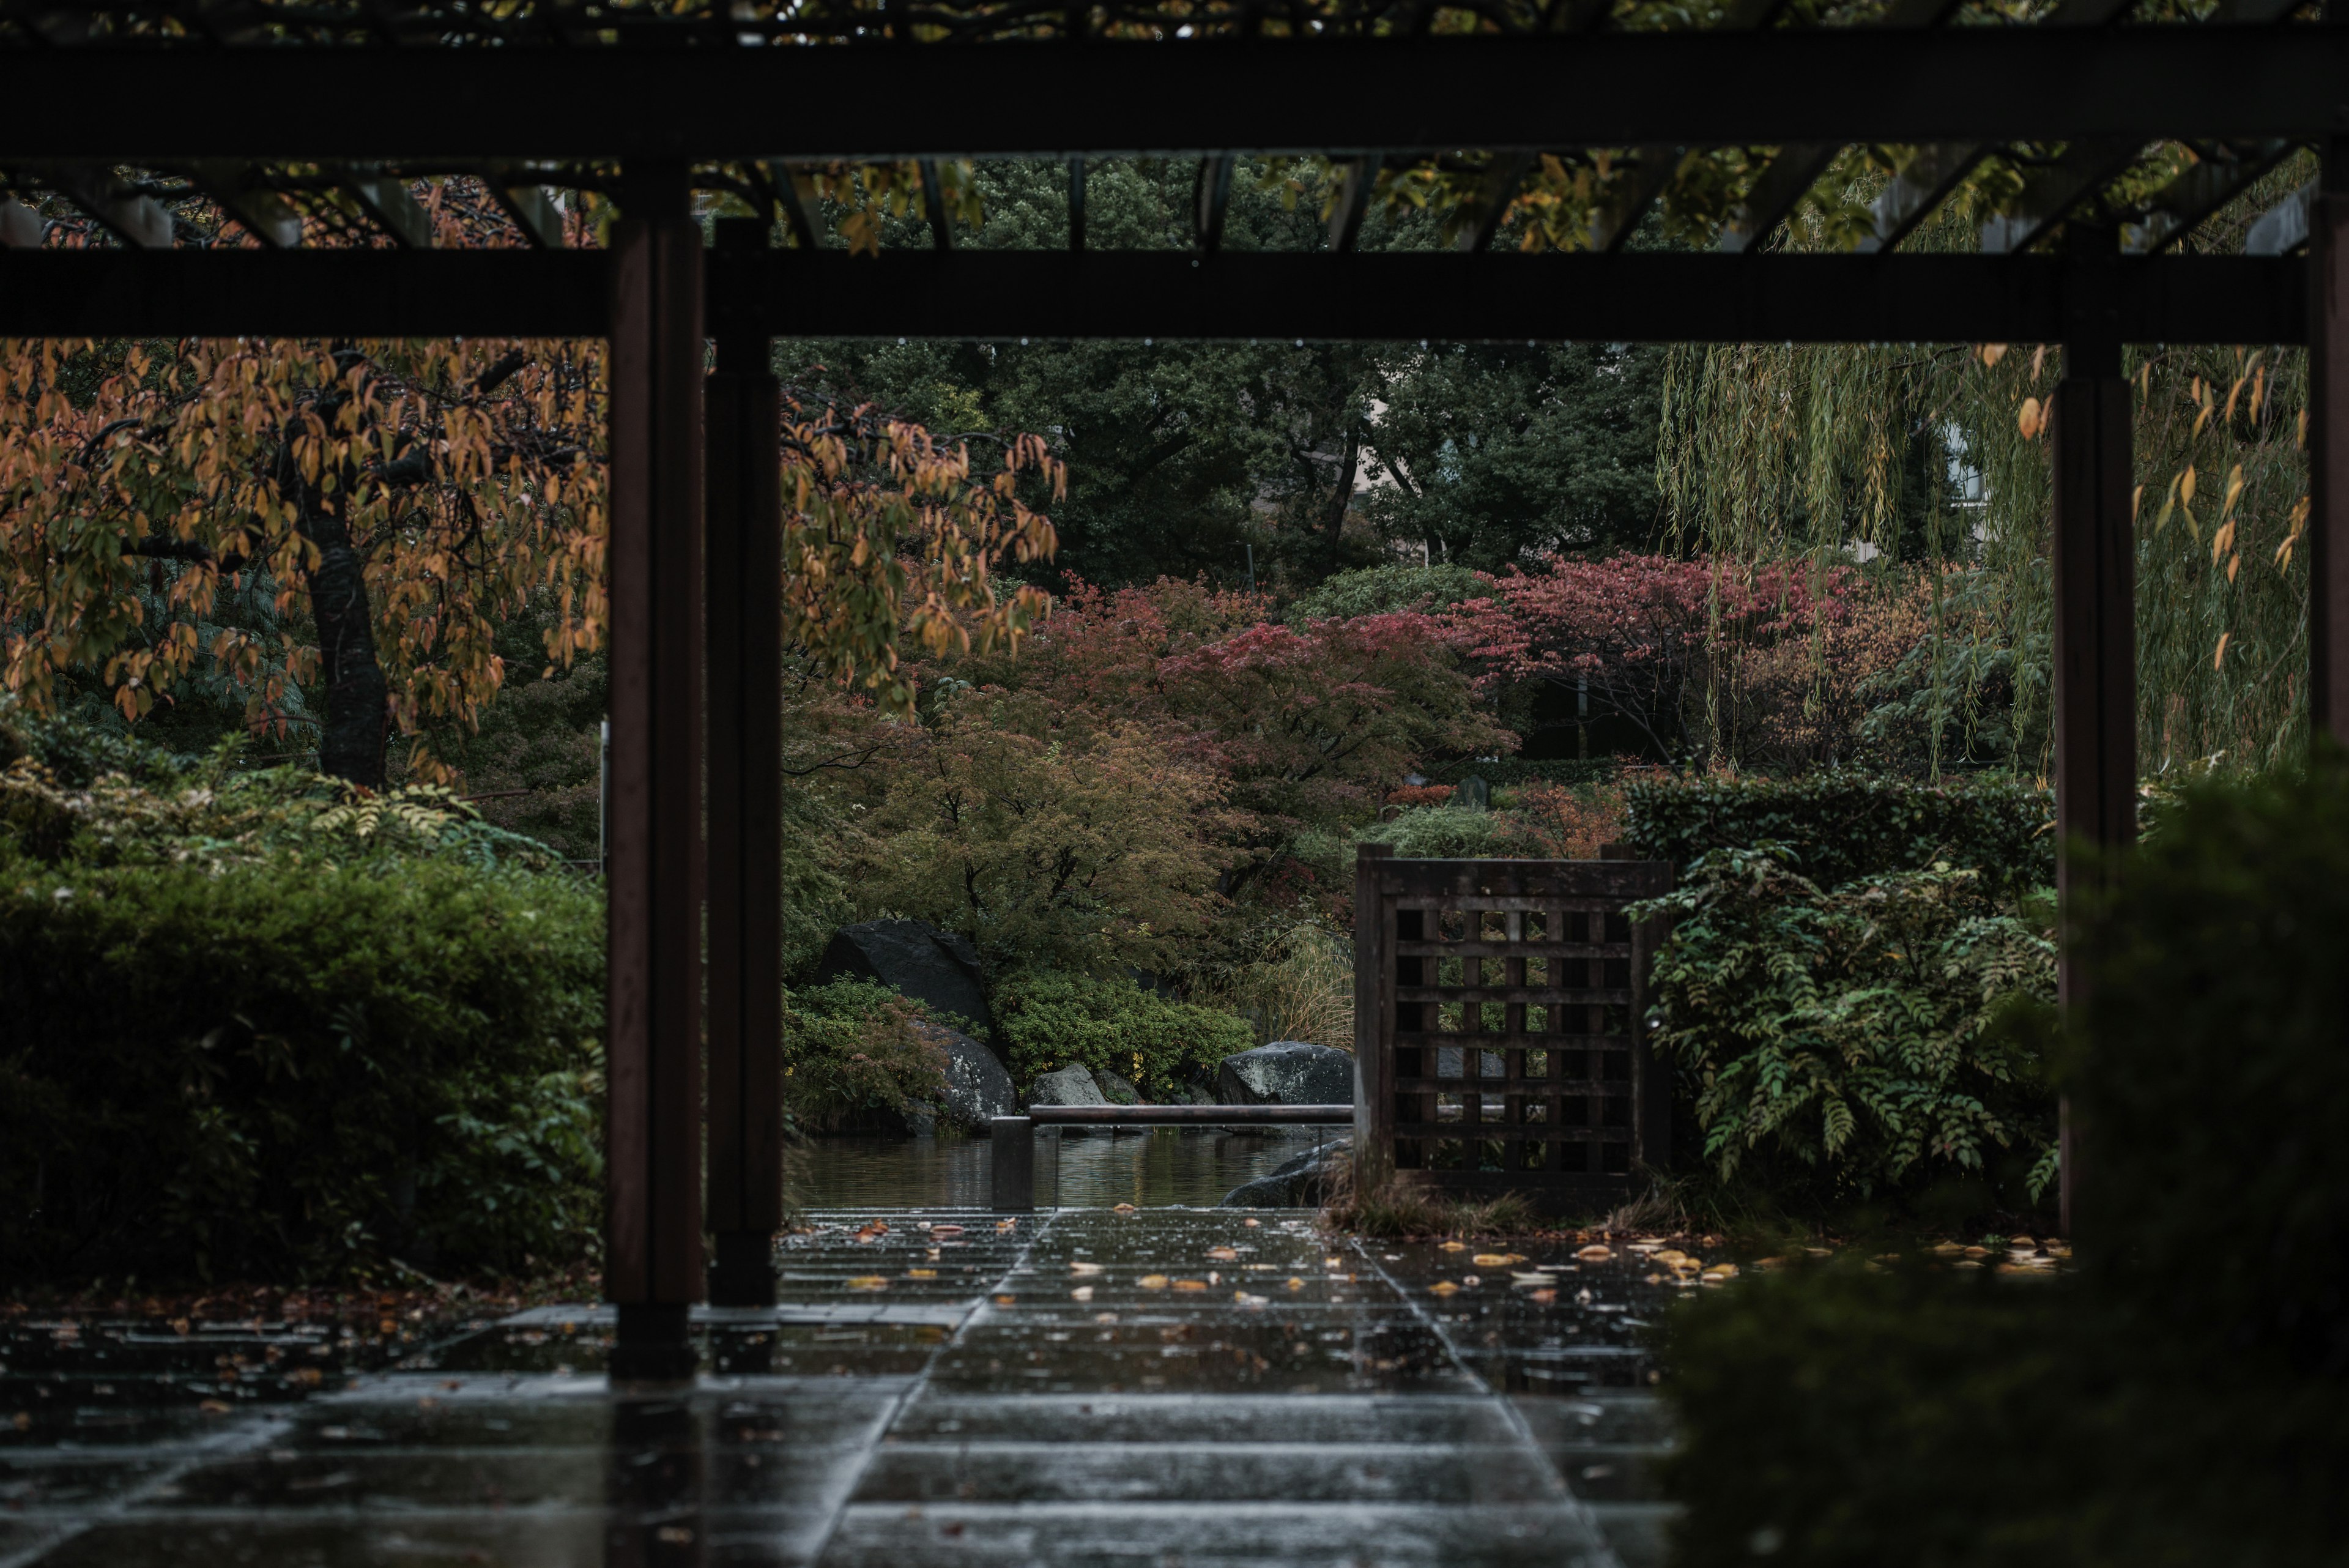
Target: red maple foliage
{"type": "Point", "coordinates": [1638, 635]}
{"type": "Point", "coordinates": [1308, 722]}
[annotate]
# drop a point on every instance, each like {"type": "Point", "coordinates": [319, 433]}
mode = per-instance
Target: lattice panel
{"type": "Point", "coordinates": [1503, 1050]}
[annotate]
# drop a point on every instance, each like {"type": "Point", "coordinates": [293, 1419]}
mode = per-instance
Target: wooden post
{"type": "Point", "coordinates": [2095, 559]}
{"type": "Point", "coordinates": [1373, 1049]}
{"type": "Point", "coordinates": [2328, 448]}
{"type": "Point", "coordinates": [653, 1264]}
{"type": "Point", "coordinates": [1011, 1164]}
{"type": "Point", "coordinates": [743, 589]}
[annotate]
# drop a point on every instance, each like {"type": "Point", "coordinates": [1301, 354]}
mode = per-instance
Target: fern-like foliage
{"type": "Point", "coordinates": [1860, 1033]}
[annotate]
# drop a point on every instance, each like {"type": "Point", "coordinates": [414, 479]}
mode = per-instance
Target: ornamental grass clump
{"type": "Point", "coordinates": [1853, 1041]}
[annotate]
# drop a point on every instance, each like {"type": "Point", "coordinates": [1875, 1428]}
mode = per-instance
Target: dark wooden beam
{"type": "Point", "coordinates": [1497, 298]}
{"type": "Point", "coordinates": [2328, 448]}
{"type": "Point", "coordinates": [934, 206]}
{"type": "Point", "coordinates": [377, 292]}
{"type": "Point", "coordinates": [1357, 178]}
{"type": "Point", "coordinates": [1646, 297]}
{"type": "Point", "coordinates": [1434, 95]}
{"type": "Point", "coordinates": [743, 576]}
{"type": "Point", "coordinates": [2094, 636]}
{"type": "Point", "coordinates": [653, 886]}
{"type": "Point", "coordinates": [1213, 201]}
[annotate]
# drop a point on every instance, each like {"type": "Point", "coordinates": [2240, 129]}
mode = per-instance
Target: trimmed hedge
{"type": "Point", "coordinates": [255, 1028]}
{"type": "Point", "coordinates": [1051, 1019]}
{"type": "Point", "coordinates": [1843, 825]}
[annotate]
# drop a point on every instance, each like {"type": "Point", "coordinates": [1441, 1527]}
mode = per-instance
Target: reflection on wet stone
{"type": "Point", "coordinates": [941, 1384]}
{"type": "Point", "coordinates": [655, 1486]}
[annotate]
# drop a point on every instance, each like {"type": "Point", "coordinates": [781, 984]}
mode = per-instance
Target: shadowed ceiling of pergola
{"type": "Point", "coordinates": [2225, 196]}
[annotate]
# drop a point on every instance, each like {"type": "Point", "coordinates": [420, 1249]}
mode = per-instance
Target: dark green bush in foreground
{"type": "Point", "coordinates": [1844, 826]}
{"type": "Point", "coordinates": [2185, 1397]}
{"type": "Point", "coordinates": [1051, 1018]}
{"type": "Point", "coordinates": [251, 1026]}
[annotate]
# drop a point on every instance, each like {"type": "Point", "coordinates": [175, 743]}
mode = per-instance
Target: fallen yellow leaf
{"type": "Point", "coordinates": [921, 1274]}
{"type": "Point", "coordinates": [1190, 1284]}
{"type": "Point", "coordinates": [1153, 1282]}
{"type": "Point", "coordinates": [1223, 1254]}
{"type": "Point", "coordinates": [1083, 1268]}
{"type": "Point", "coordinates": [1082, 1294]}
{"type": "Point", "coordinates": [1454, 1246]}
{"type": "Point", "coordinates": [210, 1408]}
{"type": "Point", "coordinates": [1495, 1260]}
{"type": "Point", "coordinates": [1121, 1209]}
{"type": "Point", "coordinates": [1543, 1296]}
{"type": "Point", "coordinates": [1443, 1288]}
{"type": "Point", "coordinates": [1295, 1284]}
{"type": "Point", "coordinates": [1007, 1300]}
{"type": "Point", "coordinates": [867, 1283]}
{"type": "Point", "coordinates": [1595, 1253]}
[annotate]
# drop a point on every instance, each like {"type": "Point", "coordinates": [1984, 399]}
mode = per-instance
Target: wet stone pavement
{"type": "Point", "coordinates": [1176, 1388]}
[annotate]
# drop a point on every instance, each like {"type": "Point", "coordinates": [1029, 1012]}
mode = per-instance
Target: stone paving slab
{"type": "Point", "coordinates": [1157, 1386]}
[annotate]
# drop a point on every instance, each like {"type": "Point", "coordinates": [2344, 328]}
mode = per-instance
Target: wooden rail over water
{"type": "Point", "coordinates": [1012, 1165]}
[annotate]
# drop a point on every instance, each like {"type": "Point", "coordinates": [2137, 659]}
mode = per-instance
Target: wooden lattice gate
{"type": "Point", "coordinates": [1498, 1034]}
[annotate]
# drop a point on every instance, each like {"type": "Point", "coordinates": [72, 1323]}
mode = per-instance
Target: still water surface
{"type": "Point", "coordinates": [1150, 1168]}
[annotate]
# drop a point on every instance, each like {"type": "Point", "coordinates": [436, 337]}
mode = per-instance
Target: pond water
{"type": "Point", "coordinates": [1151, 1167]}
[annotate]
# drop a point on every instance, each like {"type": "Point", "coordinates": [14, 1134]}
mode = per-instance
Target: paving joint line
{"type": "Point", "coordinates": [980, 1309]}
{"type": "Point", "coordinates": [1510, 1414]}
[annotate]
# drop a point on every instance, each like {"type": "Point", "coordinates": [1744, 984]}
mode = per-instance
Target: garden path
{"type": "Point", "coordinates": [1024, 1395]}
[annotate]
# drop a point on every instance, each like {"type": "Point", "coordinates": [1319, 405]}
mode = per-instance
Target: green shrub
{"type": "Point", "coordinates": [1838, 1418]}
{"type": "Point", "coordinates": [1850, 1040]}
{"type": "Point", "coordinates": [1842, 826]}
{"type": "Point", "coordinates": [854, 1047]}
{"type": "Point", "coordinates": [1438, 833]}
{"type": "Point", "coordinates": [2211, 1087]}
{"type": "Point", "coordinates": [257, 1025]}
{"type": "Point", "coordinates": [2180, 1401]}
{"type": "Point", "coordinates": [1377, 590]}
{"type": "Point", "coordinates": [1052, 1018]}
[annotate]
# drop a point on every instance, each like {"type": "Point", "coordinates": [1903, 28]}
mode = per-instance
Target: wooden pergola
{"type": "Point", "coordinates": [271, 107]}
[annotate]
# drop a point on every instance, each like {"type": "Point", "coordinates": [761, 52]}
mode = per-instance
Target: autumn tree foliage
{"type": "Point", "coordinates": [1046, 833]}
{"type": "Point", "coordinates": [1309, 724]}
{"type": "Point", "coordinates": [388, 505]}
{"type": "Point", "coordinates": [1721, 663]}
{"type": "Point", "coordinates": [403, 496]}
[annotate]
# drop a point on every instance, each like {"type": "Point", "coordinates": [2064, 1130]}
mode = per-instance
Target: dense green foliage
{"type": "Point", "coordinates": [1840, 826]}
{"type": "Point", "coordinates": [257, 1024]}
{"type": "Point", "coordinates": [1852, 1040]}
{"type": "Point", "coordinates": [2180, 1401]}
{"type": "Point", "coordinates": [1183, 456]}
{"type": "Point", "coordinates": [2212, 1085]}
{"type": "Point", "coordinates": [855, 1050]}
{"type": "Point", "coordinates": [1051, 1018]}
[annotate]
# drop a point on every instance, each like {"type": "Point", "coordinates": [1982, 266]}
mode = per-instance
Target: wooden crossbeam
{"type": "Point", "coordinates": [1009, 295]}
{"type": "Point", "coordinates": [1437, 95]}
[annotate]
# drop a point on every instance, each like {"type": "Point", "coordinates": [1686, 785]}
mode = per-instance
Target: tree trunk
{"type": "Point", "coordinates": [359, 698]}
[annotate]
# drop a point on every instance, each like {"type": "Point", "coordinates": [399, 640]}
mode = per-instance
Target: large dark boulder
{"type": "Point", "coordinates": [1071, 1085]}
{"type": "Point", "coordinates": [912, 958]}
{"type": "Point", "coordinates": [978, 1089]}
{"type": "Point", "coordinates": [1285, 1073]}
{"type": "Point", "coordinates": [1300, 1183]}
